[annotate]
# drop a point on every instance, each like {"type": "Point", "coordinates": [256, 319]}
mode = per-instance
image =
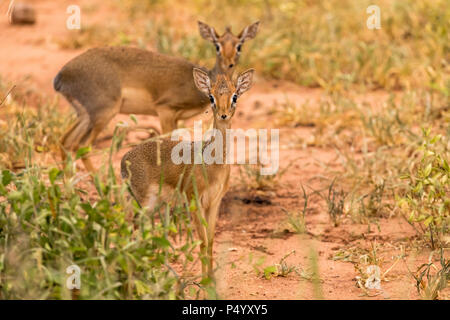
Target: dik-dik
{"type": "Point", "coordinates": [103, 82]}
{"type": "Point", "coordinates": [154, 177]}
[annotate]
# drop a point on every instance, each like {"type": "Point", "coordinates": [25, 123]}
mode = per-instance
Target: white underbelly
{"type": "Point", "coordinates": [137, 101]}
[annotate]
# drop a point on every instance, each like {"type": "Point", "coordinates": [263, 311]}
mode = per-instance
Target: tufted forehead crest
{"type": "Point", "coordinates": [228, 36]}
{"type": "Point", "coordinates": [223, 85]}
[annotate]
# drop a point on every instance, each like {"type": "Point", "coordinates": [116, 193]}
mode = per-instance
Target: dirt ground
{"type": "Point", "coordinates": [251, 226]}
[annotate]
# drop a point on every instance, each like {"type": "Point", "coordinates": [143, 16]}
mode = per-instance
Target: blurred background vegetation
{"type": "Point", "coordinates": [313, 43]}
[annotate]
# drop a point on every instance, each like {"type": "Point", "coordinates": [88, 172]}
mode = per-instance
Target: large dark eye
{"type": "Point", "coordinates": [234, 98]}
{"type": "Point", "coordinates": [211, 99]}
{"type": "Point", "coordinates": [238, 48]}
{"type": "Point", "coordinates": [217, 48]}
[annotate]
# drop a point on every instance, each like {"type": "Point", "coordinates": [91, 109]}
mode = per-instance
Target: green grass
{"type": "Point", "coordinates": [47, 223]}
{"type": "Point", "coordinates": [52, 217]}
{"type": "Point", "coordinates": [28, 135]}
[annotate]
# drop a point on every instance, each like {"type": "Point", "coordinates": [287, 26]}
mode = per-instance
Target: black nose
{"type": "Point", "coordinates": [224, 116]}
{"type": "Point", "coordinates": [231, 65]}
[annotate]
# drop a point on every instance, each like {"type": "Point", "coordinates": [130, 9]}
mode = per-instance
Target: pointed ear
{"type": "Point", "coordinates": [244, 82]}
{"type": "Point", "coordinates": [201, 80]}
{"type": "Point", "coordinates": [207, 32]}
{"type": "Point", "coordinates": [249, 32]}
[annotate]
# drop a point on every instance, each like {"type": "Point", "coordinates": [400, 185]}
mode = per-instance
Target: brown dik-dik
{"type": "Point", "coordinates": [103, 82]}
{"type": "Point", "coordinates": [155, 177]}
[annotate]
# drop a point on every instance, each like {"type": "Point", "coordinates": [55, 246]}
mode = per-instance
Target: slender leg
{"type": "Point", "coordinates": [211, 216]}
{"type": "Point", "coordinates": [65, 136]}
{"type": "Point", "coordinates": [92, 119]}
{"type": "Point", "coordinates": [96, 121]}
{"type": "Point", "coordinates": [88, 164]}
{"type": "Point", "coordinates": [202, 234]}
{"type": "Point", "coordinates": [168, 120]}
{"type": "Point", "coordinates": [73, 136]}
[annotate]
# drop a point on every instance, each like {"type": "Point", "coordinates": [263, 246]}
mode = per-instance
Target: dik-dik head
{"type": "Point", "coordinates": [223, 94]}
{"type": "Point", "coordinates": [228, 46]}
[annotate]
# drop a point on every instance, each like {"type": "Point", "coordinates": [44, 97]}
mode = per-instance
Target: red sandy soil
{"type": "Point", "coordinates": [248, 227]}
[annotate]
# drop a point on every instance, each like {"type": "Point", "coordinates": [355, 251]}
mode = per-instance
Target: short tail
{"type": "Point", "coordinates": [124, 167]}
{"type": "Point", "coordinates": [57, 83]}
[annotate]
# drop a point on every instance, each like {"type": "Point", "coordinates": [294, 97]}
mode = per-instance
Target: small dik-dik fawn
{"type": "Point", "coordinates": [103, 82]}
{"type": "Point", "coordinates": [154, 177]}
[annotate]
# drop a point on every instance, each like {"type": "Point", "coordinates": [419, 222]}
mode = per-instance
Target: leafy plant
{"type": "Point", "coordinates": [53, 217]}
{"type": "Point", "coordinates": [281, 269]}
{"type": "Point", "coordinates": [427, 198]}
{"type": "Point", "coordinates": [46, 227]}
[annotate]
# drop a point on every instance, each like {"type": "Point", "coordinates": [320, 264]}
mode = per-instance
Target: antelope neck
{"type": "Point", "coordinates": [222, 128]}
{"type": "Point", "coordinates": [217, 69]}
